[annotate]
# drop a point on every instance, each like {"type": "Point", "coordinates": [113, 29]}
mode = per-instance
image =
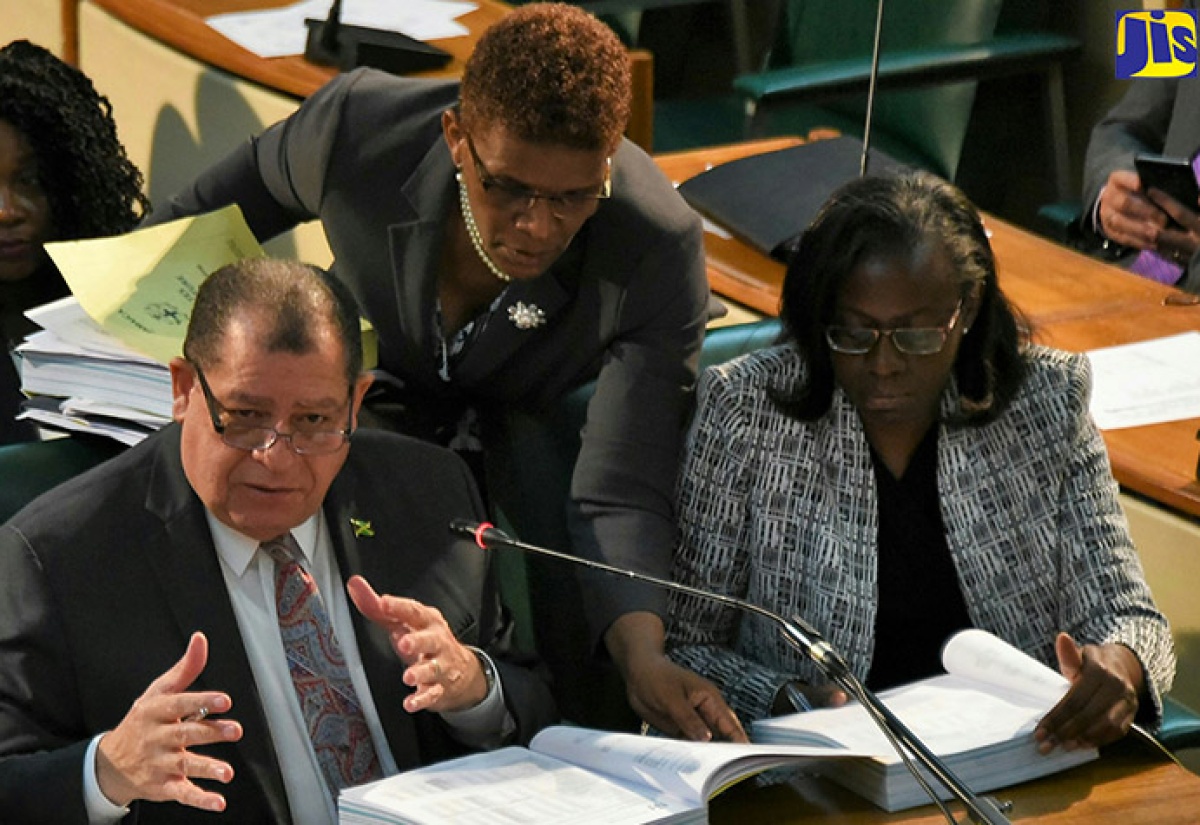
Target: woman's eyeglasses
{"type": "Point", "coordinates": [514, 197]}
{"type": "Point", "coordinates": [908, 340]}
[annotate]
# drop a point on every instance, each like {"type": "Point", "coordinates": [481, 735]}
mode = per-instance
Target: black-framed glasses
{"type": "Point", "coordinates": [515, 197]}
{"type": "Point", "coordinates": [908, 340]}
{"type": "Point", "coordinates": [251, 437]}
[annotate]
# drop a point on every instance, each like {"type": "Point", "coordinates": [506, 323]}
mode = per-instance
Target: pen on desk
{"type": "Point", "coordinates": [796, 698]}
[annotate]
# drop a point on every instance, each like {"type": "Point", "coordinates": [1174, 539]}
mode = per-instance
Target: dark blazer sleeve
{"type": "Point", "coordinates": [622, 490]}
{"type": "Point", "coordinates": [41, 773]}
{"type": "Point", "coordinates": [1138, 123]}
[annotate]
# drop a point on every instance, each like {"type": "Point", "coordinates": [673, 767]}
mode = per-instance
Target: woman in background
{"type": "Point", "coordinates": [63, 176]}
{"type": "Point", "coordinates": [906, 465]}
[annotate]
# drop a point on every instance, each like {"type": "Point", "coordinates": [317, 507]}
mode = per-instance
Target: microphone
{"type": "Point", "coordinates": [803, 637]}
{"type": "Point", "coordinates": [801, 634]}
{"type": "Point", "coordinates": [331, 28]}
{"type": "Point", "coordinates": [331, 42]}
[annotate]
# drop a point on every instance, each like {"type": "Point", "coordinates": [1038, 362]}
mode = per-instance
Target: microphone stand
{"type": "Point", "coordinates": [809, 642]}
{"type": "Point", "coordinates": [874, 80]}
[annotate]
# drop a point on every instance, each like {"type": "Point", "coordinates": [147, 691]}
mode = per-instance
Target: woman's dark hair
{"type": "Point", "coordinates": [92, 187]}
{"type": "Point", "coordinates": [885, 216]}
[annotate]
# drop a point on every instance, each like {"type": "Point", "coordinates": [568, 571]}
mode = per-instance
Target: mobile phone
{"type": "Point", "coordinates": [1174, 176]}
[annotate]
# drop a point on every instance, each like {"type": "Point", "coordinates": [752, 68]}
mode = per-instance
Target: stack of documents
{"type": "Point", "coordinates": [99, 365]}
{"type": "Point", "coordinates": [83, 379]}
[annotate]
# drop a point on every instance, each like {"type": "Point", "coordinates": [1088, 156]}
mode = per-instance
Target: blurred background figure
{"type": "Point", "coordinates": [63, 176]}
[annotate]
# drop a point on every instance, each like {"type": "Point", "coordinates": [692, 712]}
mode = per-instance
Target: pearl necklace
{"type": "Point", "coordinates": [473, 231]}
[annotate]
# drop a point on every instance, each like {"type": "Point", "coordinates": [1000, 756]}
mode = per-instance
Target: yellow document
{"type": "Point", "coordinates": [141, 286]}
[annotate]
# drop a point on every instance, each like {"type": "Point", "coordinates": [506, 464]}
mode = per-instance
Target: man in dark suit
{"type": "Point", "coordinates": [143, 667]}
{"type": "Point", "coordinates": [508, 245]}
{"type": "Point", "coordinates": [1155, 116]}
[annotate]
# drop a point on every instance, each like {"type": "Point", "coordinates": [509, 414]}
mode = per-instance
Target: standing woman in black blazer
{"type": "Point", "coordinates": [509, 245]}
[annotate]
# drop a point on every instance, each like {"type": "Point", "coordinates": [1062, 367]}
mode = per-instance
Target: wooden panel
{"type": "Point", "coordinates": [177, 116]}
{"type": "Point", "coordinates": [39, 21]}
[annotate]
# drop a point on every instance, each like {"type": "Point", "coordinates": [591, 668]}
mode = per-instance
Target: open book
{"type": "Point", "coordinates": [573, 775]}
{"type": "Point", "coordinates": [979, 717]}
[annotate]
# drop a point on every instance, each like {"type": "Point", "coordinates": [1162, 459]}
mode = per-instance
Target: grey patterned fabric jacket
{"type": "Point", "coordinates": [783, 513]}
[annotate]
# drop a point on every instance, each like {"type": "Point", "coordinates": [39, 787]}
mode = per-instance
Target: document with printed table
{"type": "Point", "coordinates": [574, 775]}
{"type": "Point", "coordinates": [979, 717]}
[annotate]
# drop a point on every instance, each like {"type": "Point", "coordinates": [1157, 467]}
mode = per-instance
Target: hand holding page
{"type": "Point", "coordinates": [979, 717]}
{"type": "Point", "coordinates": [978, 655]}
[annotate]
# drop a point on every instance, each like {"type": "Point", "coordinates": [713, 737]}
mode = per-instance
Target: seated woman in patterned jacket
{"type": "Point", "coordinates": [906, 464]}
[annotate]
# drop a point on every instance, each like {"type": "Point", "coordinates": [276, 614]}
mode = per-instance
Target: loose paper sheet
{"type": "Point", "coordinates": [140, 286]}
{"type": "Point", "coordinates": [1146, 383]}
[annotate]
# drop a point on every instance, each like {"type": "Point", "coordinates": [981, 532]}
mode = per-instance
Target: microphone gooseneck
{"type": "Point", "coordinates": [872, 82]}
{"type": "Point", "coordinates": [806, 639]}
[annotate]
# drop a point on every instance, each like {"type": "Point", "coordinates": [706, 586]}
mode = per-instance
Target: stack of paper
{"type": "Point", "coordinates": [100, 363]}
{"type": "Point", "coordinates": [83, 379]}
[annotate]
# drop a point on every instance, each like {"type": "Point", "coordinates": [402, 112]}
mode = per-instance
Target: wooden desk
{"type": "Point", "coordinates": [1128, 784]}
{"type": "Point", "coordinates": [1072, 302]}
{"type": "Point", "coordinates": [180, 25]}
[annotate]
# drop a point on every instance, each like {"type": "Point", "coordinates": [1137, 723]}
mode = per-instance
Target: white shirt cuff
{"type": "Point", "coordinates": [488, 724]}
{"type": "Point", "coordinates": [100, 811]}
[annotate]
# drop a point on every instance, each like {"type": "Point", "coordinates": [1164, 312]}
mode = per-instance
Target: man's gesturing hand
{"type": "Point", "coordinates": [147, 755]}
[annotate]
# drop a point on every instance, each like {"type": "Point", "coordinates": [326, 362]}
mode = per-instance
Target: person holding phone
{"type": "Point", "coordinates": [1140, 224]}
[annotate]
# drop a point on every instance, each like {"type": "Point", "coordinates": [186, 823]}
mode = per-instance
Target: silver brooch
{"type": "Point", "coordinates": [526, 316]}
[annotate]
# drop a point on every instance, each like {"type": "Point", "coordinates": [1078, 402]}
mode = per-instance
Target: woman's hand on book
{"type": "Point", "coordinates": [666, 696]}
{"type": "Point", "coordinates": [1106, 683]}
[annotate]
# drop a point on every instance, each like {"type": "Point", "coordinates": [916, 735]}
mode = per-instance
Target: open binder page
{"type": "Point", "coordinates": [509, 785]}
{"type": "Point", "coordinates": [694, 771]}
{"type": "Point", "coordinates": [980, 656]}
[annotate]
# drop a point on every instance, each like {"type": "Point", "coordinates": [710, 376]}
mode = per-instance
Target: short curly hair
{"type": "Point", "coordinates": [549, 73]}
{"type": "Point", "coordinates": [92, 187]}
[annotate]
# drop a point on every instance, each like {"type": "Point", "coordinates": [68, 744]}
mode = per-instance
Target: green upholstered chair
{"type": "Point", "coordinates": [30, 469]}
{"type": "Point", "coordinates": [1180, 726]}
{"type": "Point", "coordinates": [933, 53]}
{"type": "Point", "coordinates": [530, 462]}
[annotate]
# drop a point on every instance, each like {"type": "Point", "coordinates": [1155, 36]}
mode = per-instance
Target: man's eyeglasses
{"type": "Point", "coordinates": [514, 197]}
{"type": "Point", "coordinates": [252, 437]}
{"type": "Point", "coordinates": [908, 340]}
